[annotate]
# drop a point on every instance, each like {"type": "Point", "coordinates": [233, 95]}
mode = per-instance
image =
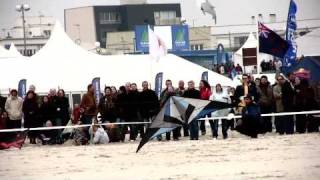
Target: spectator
{"type": "Point", "coordinates": [265, 101]}
{"type": "Point", "coordinates": [247, 87]}
{"type": "Point", "coordinates": [62, 115]}
{"type": "Point", "coordinates": [179, 92]}
{"type": "Point", "coordinates": [30, 110]}
{"type": "Point", "coordinates": [13, 107]}
{"type": "Point", "coordinates": [284, 95]}
{"type": "Point", "coordinates": [88, 104]}
{"type": "Point", "coordinates": [239, 69]}
{"type": "Point", "coordinates": [305, 101]}
{"type": "Point", "coordinates": [49, 136]}
{"type": "Point", "coordinates": [46, 111]}
{"type": "Point", "coordinates": [76, 114]}
{"type": "Point", "coordinates": [164, 96]}
{"type": "Point", "coordinates": [106, 106]}
{"type": "Point", "coordinates": [191, 92]}
{"type": "Point", "coordinates": [257, 81]}
{"type": "Point", "coordinates": [250, 118]}
{"type": "Point", "coordinates": [2, 102]}
{"type": "Point", "coordinates": [134, 112]}
{"type": "Point", "coordinates": [263, 65]}
{"type": "Point", "coordinates": [149, 102]}
{"type": "Point", "coordinates": [205, 93]}
{"type": "Point", "coordinates": [122, 109]}
{"type": "Point", "coordinates": [114, 91]}
{"type": "Point", "coordinates": [220, 95]}
{"type": "Point", "coordinates": [99, 135]}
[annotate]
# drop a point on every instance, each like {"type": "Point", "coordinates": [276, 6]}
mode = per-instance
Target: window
{"type": "Point", "coordinates": [109, 18]}
{"type": "Point", "coordinates": [76, 98]}
{"type": "Point", "coordinates": [165, 17]}
{"type": "Point", "coordinates": [47, 33]}
{"type": "Point", "coordinates": [196, 47]}
{"type": "Point", "coordinates": [273, 18]}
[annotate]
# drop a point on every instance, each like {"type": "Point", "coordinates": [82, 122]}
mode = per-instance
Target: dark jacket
{"type": "Point", "coordinates": [252, 90]}
{"type": "Point", "coordinates": [287, 97]}
{"type": "Point", "coordinates": [265, 95]}
{"type": "Point", "coordinates": [149, 103]}
{"type": "Point", "coordinates": [122, 106]}
{"type": "Point", "coordinates": [165, 95]}
{"type": "Point", "coordinates": [192, 93]}
{"type": "Point", "coordinates": [62, 109]}
{"type": "Point", "coordinates": [133, 104]}
{"type": "Point", "coordinates": [46, 112]}
{"type": "Point", "coordinates": [107, 108]}
{"type": "Point", "coordinates": [2, 102]}
{"type": "Point", "coordinates": [88, 103]}
{"type": "Point", "coordinates": [30, 110]}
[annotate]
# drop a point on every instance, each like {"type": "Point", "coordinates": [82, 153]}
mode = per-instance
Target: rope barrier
{"type": "Point", "coordinates": [131, 123]}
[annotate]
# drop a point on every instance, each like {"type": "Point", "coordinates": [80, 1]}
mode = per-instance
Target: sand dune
{"type": "Point", "coordinates": [269, 157]}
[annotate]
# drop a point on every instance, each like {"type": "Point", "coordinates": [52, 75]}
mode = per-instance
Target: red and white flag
{"type": "Point", "coordinates": [157, 47]}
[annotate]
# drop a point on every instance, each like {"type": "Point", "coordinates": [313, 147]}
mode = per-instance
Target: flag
{"type": "Point", "coordinates": [290, 56]}
{"type": "Point", "coordinates": [270, 42]}
{"type": "Point", "coordinates": [22, 88]}
{"type": "Point", "coordinates": [204, 76]}
{"type": "Point", "coordinates": [158, 83]}
{"type": "Point", "coordinates": [96, 85]}
{"type": "Point", "coordinates": [157, 47]}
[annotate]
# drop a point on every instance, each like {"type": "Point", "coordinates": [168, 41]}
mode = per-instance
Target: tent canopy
{"type": "Point", "coordinates": [63, 64]}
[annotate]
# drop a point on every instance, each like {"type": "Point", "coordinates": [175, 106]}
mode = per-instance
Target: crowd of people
{"type": "Point", "coordinates": [127, 104]}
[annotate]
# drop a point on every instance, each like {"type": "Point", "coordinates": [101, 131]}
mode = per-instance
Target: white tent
{"type": "Point", "coordinates": [250, 43]}
{"type": "Point", "coordinates": [13, 51]}
{"type": "Point", "coordinates": [61, 63]}
{"type": "Point", "coordinates": [309, 44]}
{"type": "Point", "coordinates": [4, 53]}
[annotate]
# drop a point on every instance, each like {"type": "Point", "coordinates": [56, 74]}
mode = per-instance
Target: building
{"type": "Point", "coordinates": [38, 31]}
{"type": "Point", "coordinates": [97, 21]}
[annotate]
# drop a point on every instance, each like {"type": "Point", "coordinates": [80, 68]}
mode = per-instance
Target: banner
{"type": "Point", "coordinates": [220, 53]}
{"type": "Point", "coordinates": [22, 88]}
{"type": "Point", "coordinates": [158, 83]}
{"type": "Point", "coordinates": [142, 39]}
{"type": "Point", "coordinates": [96, 86]}
{"type": "Point", "coordinates": [290, 57]}
{"type": "Point", "coordinates": [204, 76]}
{"type": "Point", "coordinates": [180, 37]}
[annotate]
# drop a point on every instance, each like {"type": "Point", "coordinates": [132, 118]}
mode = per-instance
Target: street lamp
{"type": "Point", "coordinates": [22, 8]}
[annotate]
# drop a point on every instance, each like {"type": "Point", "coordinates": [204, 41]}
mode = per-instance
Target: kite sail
{"type": "Point", "coordinates": [178, 111]}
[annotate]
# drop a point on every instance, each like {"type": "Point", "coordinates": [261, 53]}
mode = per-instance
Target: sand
{"type": "Point", "coordinates": [269, 157]}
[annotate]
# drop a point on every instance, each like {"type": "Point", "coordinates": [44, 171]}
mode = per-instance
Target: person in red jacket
{"type": "Point", "coordinates": [205, 93]}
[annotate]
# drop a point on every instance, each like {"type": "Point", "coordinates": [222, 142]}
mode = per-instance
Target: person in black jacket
{"type": "Point", "coordinates": [30, 110]}
{"type": "Point", "coordinates": [149, 102]}
{"type": "Point", "coordinates": [288, 95]}
{"type": "Point", "coordinates": [251, 118]}
{"type": "Point", "coordinates": [134, 111]}
{"type": "Point", "coordinates": [46, 111]}
{"type": "Point", "coordinates": [106, 106]}
{"type": "Point", "coordinates": [121, 105]}
{"type": "Point", "coordinates": [2, 102]}
{"type": "Point", "coordinates": [62, 109]}
{"type": "Point", "coordinates": [191, 92]}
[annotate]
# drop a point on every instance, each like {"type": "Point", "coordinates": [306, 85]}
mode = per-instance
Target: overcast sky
{"type": "Point", "coordinates": [228, 11]}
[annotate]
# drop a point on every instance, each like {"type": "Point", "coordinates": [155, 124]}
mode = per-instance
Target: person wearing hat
{"type": "Point", "coordinates": [251, 118]}
{"type": "Point", "coordinates": [13, 107]}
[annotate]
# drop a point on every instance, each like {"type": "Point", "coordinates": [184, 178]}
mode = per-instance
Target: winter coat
{"type": "Point", "coordinates": [88, 103]}
{"type": "Point", "coordinates": [252, 90]}
{"type": "Point", "coordinates": [30, 110]}
{"type": "Point", "coordinates": [46, 112]}
{"type": "Point", "coordinates": [133, 104]}
{"type": "Point", "coordinates": [266, 95]}
{"type": "Point", "coordinates": [107, 108]}
{"type": "Point", "coordinates": [277, 93]}
{"type": "Point", "coordinates": [205, 93]}
{"type": "Point", "coordinates": [13, 107]}
{"type": "Point", "coordinates": [192, 93]}
{"type": "Point", "coordinates": [62, 109]}
{"type": "Point", "coordinates": [149, 103]}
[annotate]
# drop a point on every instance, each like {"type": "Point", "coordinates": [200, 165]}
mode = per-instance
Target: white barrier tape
{"type": "Point", "coordinates": [128, 123]}
{"type": "Point", "coordinates": [68, 127]}
{"type": "Point", "coordinates": [263, 115]}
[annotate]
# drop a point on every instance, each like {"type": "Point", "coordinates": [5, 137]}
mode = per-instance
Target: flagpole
{"type": "Point", "coordinates": [258, 44]}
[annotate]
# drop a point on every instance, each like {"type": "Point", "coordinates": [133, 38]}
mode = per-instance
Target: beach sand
{"type": "Point", "coordinates": [269, 157]}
